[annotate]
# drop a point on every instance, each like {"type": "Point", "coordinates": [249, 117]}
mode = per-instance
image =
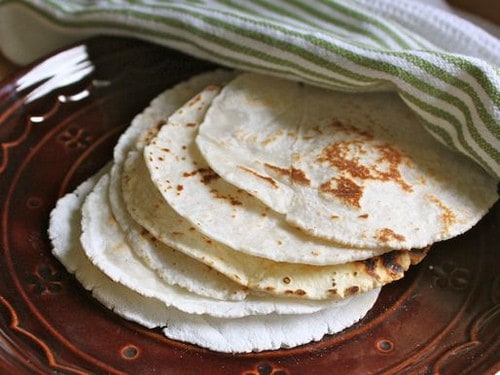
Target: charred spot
{"type": "Point", "coordinates": [391, 262]}
{"type": "Point", "coordinates": [164, 149]}
{"type": "Point", "coordinates": [332, 291]}
{"type": "Point", "coordinates": [300, 292]}
{"type": "Point", "coordinates": [270, 288]}
{"type": "Point", "coordinates": [370, 266]}
{"type": "Point", "coordinates": [191, 124]}
{"type": "Point", "coordinates": [286, 280]}
{"type": "Point", "coordinates": [180, 187]}
{"type": "Point", "coordinates": [364, 216]}
{"type": "Point", "coordinates": [351, 290]}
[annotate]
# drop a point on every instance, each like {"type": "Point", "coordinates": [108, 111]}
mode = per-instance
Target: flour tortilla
{"type": "Point", "coordinates": [148, 208]}
{"type": "Point", "coordinates": [269, 332]}
{"type": "Point", "coordinates": [105, 245]}
{"type": "Point", "coordinates": [222, 211]}
{"type": "Point", "coordinates": [353, 168]}
{"type": "Point", "coordinates": [225, 335]}
{"type": "Point", "coordinates": [174, 267]}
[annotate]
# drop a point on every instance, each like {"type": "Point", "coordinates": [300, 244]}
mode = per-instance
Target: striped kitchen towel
{"type": "Point", "coordinates": [444, 68]}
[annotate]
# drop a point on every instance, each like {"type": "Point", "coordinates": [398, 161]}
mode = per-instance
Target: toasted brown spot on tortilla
{"type": "Point", "coordinates": [417, 255]}
{"type": "Point", "coordinates": [344, 189]}
{"type": "Point", "coordinates": [393, 157]}
{"type": "Point", "coordinates": [332, 291]}
{"type": "Point", "coordinates": [191, 124]}
{"type": "Point", "coordinates": [385, 235]}
{"type": "Point", "coordinates": [300, 177]}
{"type": "Point", "coordinates": [207, 175]}
{"type": "Point", "coordinates": [300, 292]}
{"type": "Point", "coordinates": [165, 149]}
{"type": "Point", "coordinates": [334, 216]}
{"type": "Point", "coordinates": [189, 174]}
{"type": "Point", "coordinates": [363, 216]}
{"type": "Point", "coordinates": [270, 288]}
{"type": "Point", "coordinates": [180, 187]}
{"type": "Point", "coordinates": [213, 88]}
{"type": "Point", "coordinates": [336, 154]}
{"type": "Point", "coordinates": [351, 290]}
{"type": "Point", "coordinates": [273, 137]}
{"type": "Point", "coordinates": [344, 156]}
{"type": "Point", "coordinates": [195, 100]}
{"type": "Point", "coordinates": [286, 280]}
{"type": "Point", "coordinates": [265, 178]}
{"type": "Point", "coordinates": [278, 170]}
{"type": "Point", "coordinates": [232, 200]}
{"type": "Point", "coordinates": [159, 124]}
{"type": "Point", "coordinates": [448, 218]}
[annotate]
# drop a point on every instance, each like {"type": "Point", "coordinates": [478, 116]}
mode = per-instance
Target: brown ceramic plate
{"type": "Point", "coordinates": [59, 120]}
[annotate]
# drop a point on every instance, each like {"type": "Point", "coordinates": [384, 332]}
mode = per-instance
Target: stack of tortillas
{"type": "Point", "coordinates": [246, 213]}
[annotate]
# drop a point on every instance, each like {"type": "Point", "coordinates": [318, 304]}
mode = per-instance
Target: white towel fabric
{"type": "Point", "coordinates": [444, 67]}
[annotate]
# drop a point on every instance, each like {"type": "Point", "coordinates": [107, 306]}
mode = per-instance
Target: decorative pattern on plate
{"type": "Point", "coordinates": [46, 280]}
{"type": "Point", "coordinates": [443, 315]}
{"type": "Point", "coordinates": [450, 276]}
{"type": "Point", "coordinates": [266, 369]}
{"type": "Point", "coordinates": [17, 355]}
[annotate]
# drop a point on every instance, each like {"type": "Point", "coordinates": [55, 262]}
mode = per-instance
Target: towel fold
{"type": "Point", "coordinates": [445, 68]}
